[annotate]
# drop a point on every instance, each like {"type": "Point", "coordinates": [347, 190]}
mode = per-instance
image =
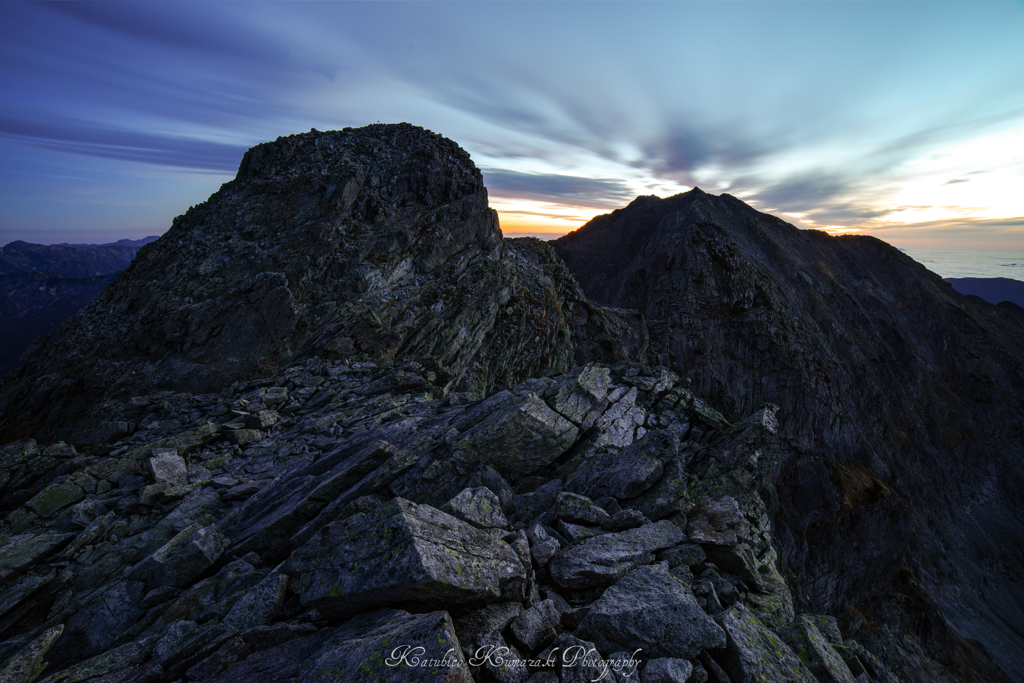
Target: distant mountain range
{"type": "Point", "coordinates": [992, 289]}
{"type": "Point", "coordinates": [42, 285]}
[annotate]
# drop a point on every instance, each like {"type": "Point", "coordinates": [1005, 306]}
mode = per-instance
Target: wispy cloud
{"type": "Point", "coordinates": [837, 111]}
{"type": "Point", "coordinates": [589, 192]}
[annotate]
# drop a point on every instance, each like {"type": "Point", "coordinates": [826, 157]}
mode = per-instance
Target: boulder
{"type": "Point", "coordinates": [627, 473]}
{"type": "Point", "coordinates": [602, 560]}
{"type": "Point", "coordinates": [167, 466]}
{"type": "Point", "coordinates": [579, 395]}
{"type": "Point", "coordinates": [539, 505]}
{"type": "Point", "coordinates": [503, 662]}
{"type": "Point", "coordinates": [492, 618]}
{"type": "Point", "coordinates": [717, 522]}
{"type": "Point", "coordinates": [537, 626]}
{"type": "Point", "coordinates": [542, 546]}
{"type": "Point", "coordinates": [479, 506]}
{"type": "Point", "coordinates": [573, 507]}
{"type": "Point", "coordinates": [667, 670]}
{"type": "Point", "coordinates": [521, 436]}
{"type": "Point", "coordinates": [402, 552]}
{"type": "Point", "coordinates": [650, 610]}
{"type": "Point", "coordinates": [816, 652]}
{"type": "Point", "coordinates": [755, 653]}
{"type": "Point", "coordinates": [28, 664]}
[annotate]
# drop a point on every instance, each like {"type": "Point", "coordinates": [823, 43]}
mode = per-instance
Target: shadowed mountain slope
{"type": "Point", "coordinates": [992, 289]}
{"type": "Point", "coordinates": [69, 260]}
{"type": "Point", "coordinates": [902, 397]}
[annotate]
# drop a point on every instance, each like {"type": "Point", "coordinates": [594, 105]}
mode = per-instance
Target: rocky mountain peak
{"type": "Point", "coordinates": [373, 244]}
{"type": "Point", "coordinates": [332, 413]}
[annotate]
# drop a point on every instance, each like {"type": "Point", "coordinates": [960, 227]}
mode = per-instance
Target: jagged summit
{"type": "Point", "coordinates": [374, 244]}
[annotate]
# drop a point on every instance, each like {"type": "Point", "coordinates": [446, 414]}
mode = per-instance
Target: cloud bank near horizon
{"type": "Point", "coordinates": [903, 120]}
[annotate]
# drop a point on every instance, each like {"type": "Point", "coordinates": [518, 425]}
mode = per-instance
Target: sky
{"type": "Point", "coordinates": [903, 120]}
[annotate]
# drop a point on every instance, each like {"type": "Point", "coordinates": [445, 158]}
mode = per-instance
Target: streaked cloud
{"type": "Point", "coordinates": [853, 115]}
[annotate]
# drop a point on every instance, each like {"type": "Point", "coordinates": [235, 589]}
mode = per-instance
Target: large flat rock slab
{"type": "Point", "coordinates": [404, 553]}
{"type": "Point", "coordinates": [602, 560]}
{"type": "Point", "coordinates": [520, 436]}
{"type": "Point", "coordinates": [386, 646]}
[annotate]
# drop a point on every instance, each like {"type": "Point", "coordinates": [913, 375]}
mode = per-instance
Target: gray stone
{"type": "Point", "coordinates": [537, 626]}
{"type": "Point", "coordinates": [96, 628]}
{"type": "Point", "coordinates": [687, 554]}
{"type": "Point", "coordinates": [738, 560]}
{"type": "Point", "coordinates": [542, 546]}
{"type": "Point", "coordinates": [624, 667]}
{"type": "Point", "coordinates": [717, 522]}
{"type": "Point", "coordinates": [620, 424]}
{"type": "Point", "coordinates": [649, 609]}
{"type": "Point", "coordinates": [385, 646]}
{"type": "Point", "coordinates": [242, 491]}
{"type": "Point", "coordinates": [83, 513]}
{"type": "Point", "coordinates": [828, 626]}
{"type": "Point", "coordinates": [404, 553]}
{"type": "Point", "coordinates": [491, 618]}
{"type": "Point", "coordinates": [489, 477]}
{"type": "Point", "coordinates": [262, 419]}
{"type": "Point", "coordinates": [539, 505]}
{"type": "Point", "coordinates": [480, 507]}
{"type": "Point", "coordinates": [167, 466]}
{"type": "Point", "coordinates": [28, 664]}
{"type": "Point", "coordinates": [258, 604]}
{"type": "Point", "coordinates": [520, 437]}
{"type": "Point", "coordinates": [152, 494]}
{"type": "Point", "coordinates": [627, 473]}
{"type": "Point", "coordinates": [815, 651]}
{"type": "Point", "coordinates": [579, 395]}
{"type": "Point", "coordinates": [56, 497]}
{"type": "Point", "coordinates": [577, 532]}
{"type": "Point", "coordinates": [243, 437]}
{"type": "Point", "coordinates": [573, 507]}
{"type": "Point", "coordinates": [176, 563]}
{"type": "Point", "coordinates": [174, 636]}
{"type": "Point", "coordinates": [24, 550]}
{"type": "Point", "coordinates": [667, 670]}
{"type": "Point", "coordinates": [754, 653]}
{"type": "Point", "coordinates": [626, 519]}
{"type": "Point", "coordinates": [577, 661]}
{"type": "Point", "coordinates": [602, 560]}
{"type": "Point", "coordinates": [111, 666]}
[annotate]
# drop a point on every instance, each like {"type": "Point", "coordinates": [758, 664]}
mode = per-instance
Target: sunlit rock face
{"type": "Point", "coordinates": [902, 397]}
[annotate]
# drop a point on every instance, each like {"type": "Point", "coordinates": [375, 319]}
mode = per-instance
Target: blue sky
{"type": "Point", "coordinates": [904, 120]}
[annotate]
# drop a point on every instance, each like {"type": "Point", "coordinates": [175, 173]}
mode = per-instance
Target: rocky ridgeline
{"type": "Point", "coordinates": [376, 244]}
{"type": "Point", "coordinates": [310, 525]}
{"type": "Point", "coordinates": [333, 426]}
{"type": "Point", "coordinates": [900, 406]}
